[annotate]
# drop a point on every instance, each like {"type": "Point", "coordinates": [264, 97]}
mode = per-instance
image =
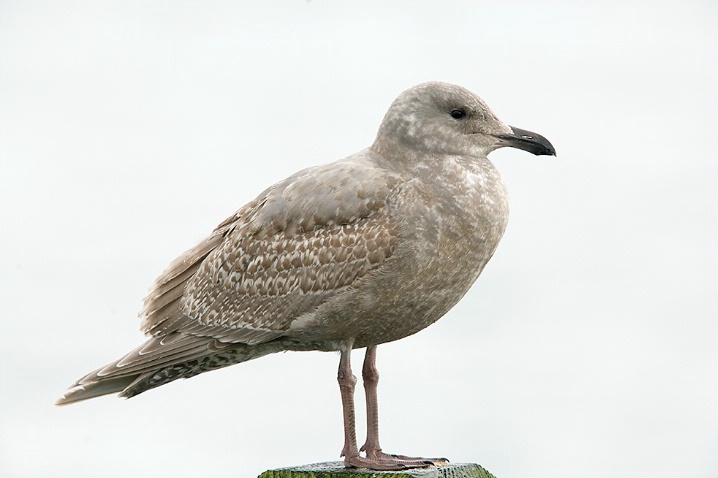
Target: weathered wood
{"type": "Point", "coordinates": [335, 469]}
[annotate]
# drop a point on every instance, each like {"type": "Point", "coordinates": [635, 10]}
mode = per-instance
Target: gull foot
{"type": "Point", "coordinates": [381, 461]}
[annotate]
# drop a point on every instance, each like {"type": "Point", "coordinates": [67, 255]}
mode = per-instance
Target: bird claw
{"type": "Point", "coordinates": [380, 461]}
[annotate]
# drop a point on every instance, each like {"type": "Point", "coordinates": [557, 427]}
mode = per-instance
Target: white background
{"type": "Point", "coordinates": [588, 348]}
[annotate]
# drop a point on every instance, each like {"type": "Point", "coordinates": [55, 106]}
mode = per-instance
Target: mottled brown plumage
{"type": "Point", "coordinates": [351, 254]}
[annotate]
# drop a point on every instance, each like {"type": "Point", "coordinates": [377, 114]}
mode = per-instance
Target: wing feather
{"type": "Point", "coordinates": [281, 256]}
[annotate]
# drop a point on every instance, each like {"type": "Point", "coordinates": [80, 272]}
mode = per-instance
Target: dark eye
{"type": "Point", "coordinates": [458, 113]}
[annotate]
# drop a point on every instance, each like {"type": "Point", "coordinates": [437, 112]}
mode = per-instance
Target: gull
{"type": "Point", "coordinates": [351, 254]}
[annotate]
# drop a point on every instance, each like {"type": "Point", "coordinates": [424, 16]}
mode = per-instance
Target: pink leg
{"type": "Point", "coordinates": [347, 382]}
{"type": "Point", "coordinates": [371, 379]}
{"type": "Point", "coordinates": [375, 458]}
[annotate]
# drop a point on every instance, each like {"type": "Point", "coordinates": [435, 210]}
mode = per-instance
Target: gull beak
{"type": "Point", "coordinates": [528, 141]}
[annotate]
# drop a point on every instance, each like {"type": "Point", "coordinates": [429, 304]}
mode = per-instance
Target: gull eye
{"type": "Point", "coordinates": [458, 113]}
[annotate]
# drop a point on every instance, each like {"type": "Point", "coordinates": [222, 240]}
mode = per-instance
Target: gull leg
{"type": "Point", "coordinates": [350, 452]}
{"type": "Point", "coordinates": [375, 458]}
{"type": "Point", "coordinates": [370, 374]}
{"type": "Point", "coordinates": [347, 382]}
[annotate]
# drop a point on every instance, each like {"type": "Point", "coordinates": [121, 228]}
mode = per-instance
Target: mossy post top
{"type": "Point", "coordinates": [336, 469]}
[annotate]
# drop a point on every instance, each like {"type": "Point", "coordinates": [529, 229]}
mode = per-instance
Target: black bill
{"type": "Point", "coordinates": [528, 141]}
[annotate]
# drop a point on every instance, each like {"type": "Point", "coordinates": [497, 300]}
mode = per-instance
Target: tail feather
{"type": "Point", "coordinates": [79, 393]}
{"type": "Point", "coordinates": [162, 360]}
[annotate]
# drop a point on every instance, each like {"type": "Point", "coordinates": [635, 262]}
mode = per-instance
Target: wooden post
{"type": "Point", "coordinates": [335, 469]}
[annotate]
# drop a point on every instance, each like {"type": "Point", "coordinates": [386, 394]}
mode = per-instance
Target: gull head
{"type": "Point", "coordinates": [443, 119]}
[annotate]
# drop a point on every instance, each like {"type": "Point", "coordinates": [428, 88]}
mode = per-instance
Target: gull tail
{"type": "Point", "coordinates": [78, 393]}
{"type": "Point", "coordinates": [161, 360]}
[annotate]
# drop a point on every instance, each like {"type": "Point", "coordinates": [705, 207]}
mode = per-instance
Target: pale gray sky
{"type": "Point", "coordinates": [588, 347]}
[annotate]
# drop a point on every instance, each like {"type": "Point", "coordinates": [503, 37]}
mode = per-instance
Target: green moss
{"type": "Point", "coordinates": [335, 469]}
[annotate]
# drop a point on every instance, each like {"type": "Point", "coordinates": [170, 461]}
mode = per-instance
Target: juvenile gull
{"type": "Point", "coordinates": [351, 254]}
